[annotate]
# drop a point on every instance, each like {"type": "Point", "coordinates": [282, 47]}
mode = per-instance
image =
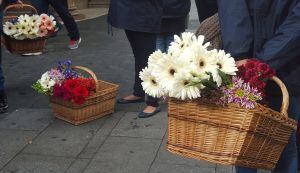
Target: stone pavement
{"type": "Point", "coordinates": [32, 141]}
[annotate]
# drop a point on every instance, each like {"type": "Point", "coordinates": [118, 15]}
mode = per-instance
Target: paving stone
{"type": "Point", "coordinates": [163, 168]}
{"type": "Point", "coordinates": [131, 126]}
{"type": "Point", "coordinates": [123, 155]}
{"type": "Point", "coordinates": [25, 163]}
{"type": "Point", "coordinates": [78, 166]}
{"type": "Point", "coordinates": [27, 119]}
{"type": "Point", "coordinates": [63, 139]}
{"type": "Point", "coordinates": [101, 135]}
{"type": "Point", "coordinates": [167, 157]}
{"type": "Point", "coordinates": [12, 142]}
{"type": "Point", "coordinates": [225, 169]}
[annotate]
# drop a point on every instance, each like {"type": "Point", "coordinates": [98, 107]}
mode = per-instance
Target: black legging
{"type": "Point", "coordinates": [62, 9]}
{"type": "Point", "coordinates": [206, 8]}
{"type": "Point", "coordinates": [142, 44]}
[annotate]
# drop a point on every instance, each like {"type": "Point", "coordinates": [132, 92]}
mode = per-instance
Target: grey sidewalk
{"type": "Point", "coordinates": [32, 141]}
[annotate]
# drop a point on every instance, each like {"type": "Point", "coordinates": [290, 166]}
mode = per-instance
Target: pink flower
{"type": "Point", "coordinates": [45, 17]}
{"type": "Point", "coordinates": [43, 31]}
{"type": "Point", "coordinates": [49, 24]}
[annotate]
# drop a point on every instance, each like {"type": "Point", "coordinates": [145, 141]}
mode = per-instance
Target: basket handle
{"type": "Point", "coordinates": [285, 96]}
{"type": "Point", "coordinates": [18, 6]}
{"type": "Point", "coordinates": [90, 72]}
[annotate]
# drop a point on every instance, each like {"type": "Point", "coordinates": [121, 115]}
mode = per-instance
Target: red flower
{"type": "Point", "coordinates": [249, 74]}
{"type": "Point", "coordinates": [75, 90]}
{"type": "Point", "coordinates": [70, 84]}
{"type": "Point", "coordinates": [250, 65]}
{"type": "Point", "coordinates": [256, 73]}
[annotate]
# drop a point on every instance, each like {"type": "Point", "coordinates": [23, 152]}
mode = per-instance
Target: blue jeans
{"type": "Point", "coordinates": [288, 162]}
{"type": "Point", "coordinates": [1, 71]}
{"type": "Point", "coordinates": [62, 9]}
{"type": "Point", "coordinates": [163, 41]}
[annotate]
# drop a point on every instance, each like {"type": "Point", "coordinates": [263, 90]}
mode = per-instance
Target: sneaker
{"type": "Point", "coordinates": [3, 102]}
{"type": "Point", "coordinates": [32, 54]}
{"type": "Point", "coordinates": [74, 44]}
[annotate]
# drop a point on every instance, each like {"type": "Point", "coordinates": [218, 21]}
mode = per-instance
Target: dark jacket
{"type": "Point", "coordinates": [174, 15]}
{"type": "Point", "coordinates": [268, 30]}
{"type": "Point", "coordinates": [136, 15]}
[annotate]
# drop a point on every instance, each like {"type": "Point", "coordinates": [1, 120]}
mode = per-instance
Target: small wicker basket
{"type": "Point", "coordinates": [27, 46]}
{"type": "Point", "coordinates": [96, 106]}
{"type": "Point", "coordinates": [230, 135]}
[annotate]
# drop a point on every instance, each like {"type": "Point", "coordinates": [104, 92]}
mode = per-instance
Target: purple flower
{"type": "Point", "coordinates": [240, 93]}
{"type": "Point", "coordinates": [65, 67]}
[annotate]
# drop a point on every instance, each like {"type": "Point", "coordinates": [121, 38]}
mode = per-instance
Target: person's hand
{"type": "Point", "coordinates": [241, 62]}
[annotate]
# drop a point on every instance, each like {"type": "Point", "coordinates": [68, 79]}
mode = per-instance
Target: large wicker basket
{"type": "Point", "coordinates": [230, 135]}
{"type": "Point", "coordinates": [98, 105]}
{"type": "Point", "coordinates": [27, 46]}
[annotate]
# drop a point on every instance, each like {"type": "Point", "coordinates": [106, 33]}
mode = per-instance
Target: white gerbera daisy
{"type": "Point", "coordinates": [150, 84]}
{"type": "Point", "coordinates": [182, 88]}
{"type": "Point", "coordinates": [19, 36]}
{"type": "Point", "coordinates": [226, 63]}
{"type": "Point", "coordinates": [166, 69]}
{"type": "Point", "coordinates": [216, 77]}
{"type": "Point", "coordinates": [154, 58]}
{"type": "Point", "coordinates": [34, 28]}
{"type": "Point", "coordinates": [203, 62]}
{"type": "Point", "coordinates": [24, 19]}
{"type": "Point", "coordinates": [9, 28]}
{"type": "Point", "coordinates": [35, 20]}
{"type": "Point", "coordinates": [179, 44]}
{"type": "Point", "coordinates": [199, 44]}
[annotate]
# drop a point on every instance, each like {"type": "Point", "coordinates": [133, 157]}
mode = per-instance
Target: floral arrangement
{"type": "Point", "coordinates": [256, 74]}
{"type": "Point", "coordinates": [66, 83]}
{"type": "Point", "coordinates": [30, 27]}
{"type": "Point", "coordinates": [190, 71]}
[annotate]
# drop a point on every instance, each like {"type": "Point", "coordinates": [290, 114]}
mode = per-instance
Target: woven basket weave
{"type": "Point", "coordinates": [229, 135]}
{"type": "Point", "coordinates": [96, 106]}
{"type": "Point", "coordinates": [22, 46]}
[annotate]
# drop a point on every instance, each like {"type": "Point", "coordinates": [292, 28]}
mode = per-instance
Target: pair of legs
{"type": "Point", "coordinates": [142, 44]}
{"type": "Point", "coordinates": [164, 40]}
{"type": "Point", "coordinates": [3, 99]}
{"type": "Point", "coordinates": [288, 162]}
{"type": "Point", "coordinates": [206, 8]}
{"type": "Point", "coordinates": [62, 9]}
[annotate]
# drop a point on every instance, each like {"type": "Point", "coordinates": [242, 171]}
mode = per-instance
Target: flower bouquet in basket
{"type": "Point", "coordinates": [76, 98]}
{"type": "Point", "coordinates": [27, 34]}
{"type": "Point", "coordinates": [215, 110]}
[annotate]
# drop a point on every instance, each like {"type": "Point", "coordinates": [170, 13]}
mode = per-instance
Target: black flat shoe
{"type": "Point", "coordinates": [147, 115]}
{"type": "Point", "coordinates": [124, 101]}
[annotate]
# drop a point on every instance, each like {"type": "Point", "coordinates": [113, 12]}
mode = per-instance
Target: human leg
{"type": "Point", "coordinates": [61, 7]}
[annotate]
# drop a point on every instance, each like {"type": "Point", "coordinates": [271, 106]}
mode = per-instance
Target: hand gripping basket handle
{"type": "Point", "coordinates": [18, 6]}
{"type": "Point", "coordinates": [90, 72]}
{"type": "Point", "coordinates": [285, 96]}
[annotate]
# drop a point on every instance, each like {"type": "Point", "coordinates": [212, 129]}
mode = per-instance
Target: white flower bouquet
{"type": "Point", "coordinates": [187, 70]}
{"type": "Point", "coordinates": [30, 27]}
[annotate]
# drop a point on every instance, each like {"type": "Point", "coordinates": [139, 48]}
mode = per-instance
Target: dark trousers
{"type": "Point", "coordinates": [1, 71]}
{"type": "Point", "coordinates": [142, 44]}
{"type": "Point", "coordinates": [62, 9]}
{"type": "Point", "coordinates": [206, 8]}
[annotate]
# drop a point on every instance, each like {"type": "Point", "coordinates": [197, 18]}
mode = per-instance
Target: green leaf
{"type": "Point", "coordinates": [225, 78]}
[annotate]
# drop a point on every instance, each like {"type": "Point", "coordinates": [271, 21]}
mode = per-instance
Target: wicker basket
{"type": "Point", "coordinates": [26, 46]}
{"type": "Point", "coordinates": [230, 135]}
{"type": "Point", "coordinates": [100, 104]}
